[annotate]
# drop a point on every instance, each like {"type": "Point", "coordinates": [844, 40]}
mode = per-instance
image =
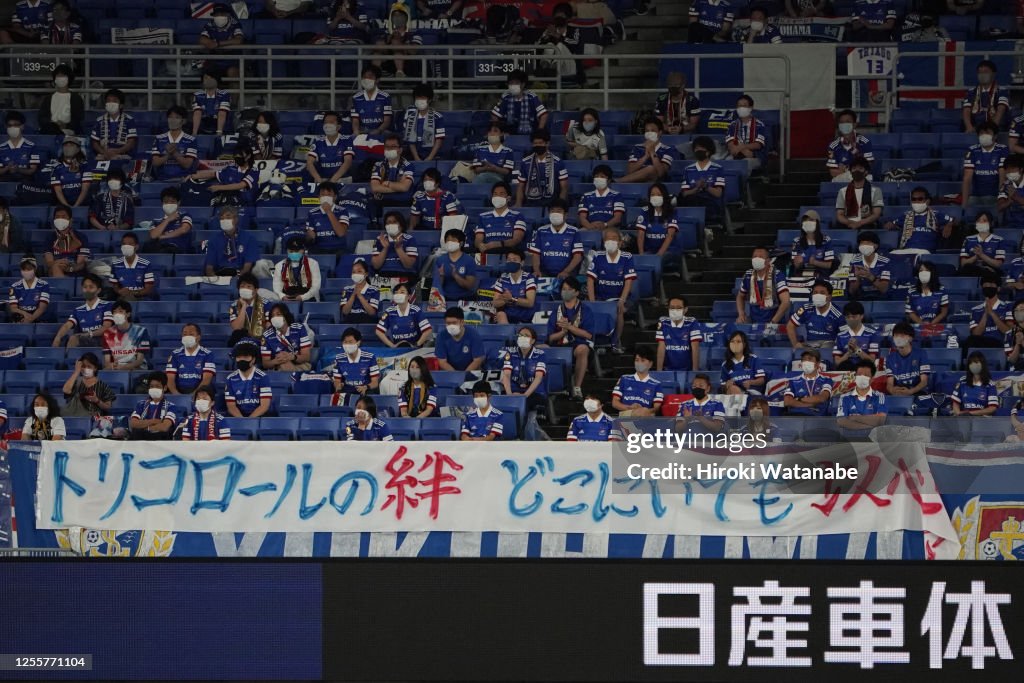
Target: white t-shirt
{"type": "Point", "coordinates": [60, 107]}
{"type": "Point", "coordinates": [57, 427]}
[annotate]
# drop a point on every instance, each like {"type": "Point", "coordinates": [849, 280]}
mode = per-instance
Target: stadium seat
{"type": "Point", "coordinates": [440, 429]}
{"type": "Point", "coordinates": [403, 428]}
{"type": "Point", "coordinates": [318, 429]}
{"type": "Point", "coordinates": [242, 428]}
{"type": "Point", "coordinates": [296, 405]}
{"type": "Point", "coordinates": [278, 428]}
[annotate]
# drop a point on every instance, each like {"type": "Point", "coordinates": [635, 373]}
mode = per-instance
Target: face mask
{"type": "Point", "coordinates": [524, 342]}
{"type": "Point", "coordinates": [589, 126]}
{"type": "Point", "coordinates": [262, 128]}
{"type": "Point", "coordinates": [982, 228]}
{"type": "Point", "coordinates": [808, 227]}
{"type": "Point", "coordinates": [499, 202]}
{"type": "Point", "coordinates": [657, 201]}
{"type": "Point", "coordinates": [156, 393]}
{"type": "Point", "coordinates": [919, 207]}
{"type": "Point", "coordinates": [61, 81]}
{"type": "Point", "coordinates": [1013, 177]}
{"type": "Point", "coordinates": [641, 366]}
{"type": "Point", "coordinates": [28, 275]}
{"type": "Point", "coordinates": [421, 105]}
{"type": "Point", "coordinates": [699, 393]}
{"type": "Point", "coordinates": [220, 22]}
{"type": "Point", "coordinates": [415, 373]}
{"type": "Point", "coordinates": [358, 278]}
{"type": "Point", "coordinates": [174, 124]}
{"type": "Point", "coordinates": [985, 140]}
{"type": "Point", "coordinates": [188, 341]}
{"type": "Point", "coordinates": [400, 298]}
{"type": "Point", "coordinates": [227, 224]}
{"type": "Point", "coordinates": [743, 112]}
{"type": "Point", "coordinates": [756, 414]}
{"type": "Point", "coordinates": [675, 314]}
{"type": "Point", "coordinates": [611, 246]}
{"type": "Point", "coordinates": [757, 263]}
{"type": "Point", "coordinates": [246, 294]}
{"type": "Point", "coordinates": [170, 209]}
{"type": "Point", "coordinates": [736, 346]}
{"type": "Point", "coordinates": [209, 84]}
{"type": "Point", "coordinates": [90, 294]}
{"type": "Point", "coordinates": [112, 107]}
{"type": "Point", "coordinates": [984, 78]}
{"type": "Point", "coordinates": [539, 150]}
{"type": "Point", "coordinates": [853, 324]}
{"type": "Point", "coordinates": [330, 129]}
{"type": "Point", "coordinates": [480, 402]}
{"type": "Point", "coordinates": [61, 223]}
{"type": "Point", "coordinates": [294, 256]}
{"type": "Point", "coordinates": [600, 183]}
{"type": "Point", "coordinates": [391, 154]}
{"type": "Point", "coordinates": [368, 84]}
{"type": "Point", "coordinates": [862, 381]}
{"type": "Point", "coordinates": [515, 89]}
{"type": "Point", "coordinates": [88, 373]}
{"type": "Point", "coordinates": [858, 175]}
{"type": "Point", "coordinates": [429, 185]}
{"type": "Point", "coordinates": [512, 267]}
{"type": "Point", "coordinates": [591, 405]}
{"type": "Point", "coordinates": [361, 415]}
{"type": "Point", "coordinates": [392, 229]}
{"type": "Point", "coordinates": [819, 300]}
{"type": "Point", "coordinates": [975, 368]}
{"type": "Point", "coordinates": [1018, 316]}
{"type": "Point", "coordinates": [14, 131]}
{"type": "Point", "coordinates": [127, 250]}
{"type": "Point", "coordinates": [41, 412]}
{"type": "Point", "coordinates": [327, 200]}
{"type": "Point", "coordinates": [808, 366]}
{"type": "Point", "coordinates": [556, 219]}
{"type": "Point", "coordinates": [866, 249]}
{"type": "Point", "coordinates": [114, 185]}
{"type": "Point", "coordinates": [277, 321]}
{"type": "Point", "coordinates": [845, 128]}
{"type": "Point", "coordinates": [70, 152]}
{"type": "Point", "coordinates": [701, 155]}
{"type": "Point", "coordinates": [989, 292]}
{"type": "Point", "coordinates": [452, 247]}
{"type": "Point", "coordinates": [350, 349]}
{"type": "Point", "coordinates": [757, 26]}
{"type": "Point", "coordinates": [900, 342]}
{"type": "Point", "coordinates": [568, 294]}
{"type": "Point", "coordinates": [241, 161]}
{"type": "Point", "coordinates": [494, 140]}
{"type": "Point", "coordinates": [651, 136]}
{"type": "Point", "coordinates": [675, 89]}
{"type": "Point", "coordinates": [453, 330]}
{"type": "Point", "coordinates": [120, 319]}
{"type": "Point", "coordinates": [924, 277]}
{"type": "Point", "coordinates": [243, 365]}
{"type": "Point", "coordinates": [202, 405]}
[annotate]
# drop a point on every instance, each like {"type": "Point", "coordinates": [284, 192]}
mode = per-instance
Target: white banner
{"type": "Point", "coordinates": [474, 487]}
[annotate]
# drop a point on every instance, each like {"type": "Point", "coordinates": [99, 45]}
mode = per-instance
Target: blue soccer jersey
{"type": "Point", "coordinates": [986, 165]}
{"type": "Point", "coordinates": [477, 425]}
{"type": "Point", "coordinates": [610, 275]}
{"type": "Point", "coordinates": [818, 326]}
{"type": "Point", "coordinates": [88, 318]}
{"type": "Point", "coordinates": [556, 248]}
{"type": "Point", "coordinates": [524, 370]}
{"type": "Point", "coordinates": [975, 396]}
{"type": "Point", "coordinates": [354, 373]}
{"type": "Point", "coordinates": [679, 339]}
{"type": "Point", "coordinates": [926, 305]}
{"type": "Point", "coordinates": [403, 327]}
{"type": "Point", "coordinates": [495, 226]}
{"type": "Point", "coordinates": [187, 368]}
{"type": "Point", "coordinates": [632, 390]}
{"type": "Point", "coordinates": [459, 352]}
{"type": "Point", "coordinates": [853, 403]}
{"type": "Point", "coordinates": [377, 430]}
{"type": "Point", "coordinates": [601, 205]}
{"type": "Point", "coordinates": [907, 370]}
{"type": "Point", "coordinates": [802, 386]}
{"type": "Point", "coordinates": [328, 156]}
{"type": "Point", "coordinates": [245, 391]}
{"type": "Point", "coordinates": [584, 428]}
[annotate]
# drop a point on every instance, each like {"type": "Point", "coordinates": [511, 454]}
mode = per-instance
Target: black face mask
{"type": "Point", "coordinates": [240, 161]}
{"type": "Point", "coordinates": [699, 393]}
{"type": "Point", "coordinates": [989, 292]}
{"type": "Point", "coordinates": [701, 155]}
{"type": "Point", "coordinates": [675, 90]}
{"type": "Point", "coordinates": [540, 150]}
{"type": "Point", "coordinates": [561, 21]}
{"type": "Point", "coordinates": [858, 175]}
{"type": "Point", "coordinates": [243, 365]}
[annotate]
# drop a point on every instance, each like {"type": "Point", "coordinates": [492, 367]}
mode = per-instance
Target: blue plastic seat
{"type": "Point", "coordinates": [44, 358]}
{"type": "Point", "coordinates": [243, 428]}
{"type": "Point", "coordinates": [278, 428]}
{"type": "Point", "coordinates": [440, 429]}
{"type": "Point", "coordinates": [318, 429]}
{"type": "Point", "coordinates": [403, 428]}
{"type": "Point", "coordinates": [297, 405]}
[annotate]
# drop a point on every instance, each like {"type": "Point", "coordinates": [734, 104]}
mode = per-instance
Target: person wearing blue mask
{"type": "Point", "coordinates": [297, 277]}
{"type": "Point", "coordinates": [515, 292]}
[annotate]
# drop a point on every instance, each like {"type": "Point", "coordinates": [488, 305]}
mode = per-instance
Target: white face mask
{"type": "Point", "coordinates": [756, 414]}
{"type": "Point", "coordinates": [170, 209]}
{"type": "Point", "coordinates": [393, 229]}
{"type": "Point", "coordinates": [14, 131]}
{"type": "Point", "coordinates": [28, 275]}
{"type": "Point", "coordinates": [675, 314]}
{"type": "Point", "coordinates": [400, 298]}
{"type": "Point", "coordinates": [524, 342]}
{"type": "Point", "coordinates": [415, 373]}
{"type": "Point", "coordinates": [246, 293]}
{"type": "Point", "coordinates": [589, 126]}
{"type": "Point", "coordinates": [515, 89]}
{"type": "Point", "coordinates": [757, 263]}
{"type": "Point", "coordinates": [743, 112]}
{"type": "Point", "coordinates": [1013, 177]}
{"type": "Point", "coordinates": [41, 412]}
{"type": "Point", "coordinates": [845, 128]}
{"type": "Point", "coordinates": [429, 185]}
{"type": "Point", "coordinates": [809, 226]}
{"type": "Point", "coordinates": [611, 246]}
{"type": "Point", "coordinates": [808, 367]}
{"type": "Point", "coordinates": [61, 223]}
{"type": "Point", "coordinates": [358, 278]}
{"type": "Point", "coordinates": [88, 373]}
{"type": "Point", "coordinates": [975, 368]}
{"type": "Point", "coordinates": [900, 342]}
{"type": "Point", "coordinates": [591, 405]}
{"type": "Point", "coordinates": [866, 249]}
{"type": "Point", "coordinates": [221, 21]}
{"type": "Point", "coordinates": [350, 349]}
{"type": "Point", "coordinates": [188, 341]}
{"type": "Point", "coordinates": [452, 247]}
{"type": "Point", "coordinates": [600, 183]}
{"type": "Point", "coordinates": [651, 136]}
{"type": "Point", "coordinates": [120, 319]}
{"type": "Point", "coordinates": [480, 402]}
{"type": "Point", "coordinates": [862, 381]}
{"type": "Point", "coordinates": [391, 154]}
{"type": "Point", "coordinates": [127, 250]}
{"type": "Point", "coordinates": [453, 330]}
{"type": "Point", "coordinates": [114, 185]}
{"type": "Point", "coordinates": [156, 393]}
{"type": "Point", "coordinates": [262, 128]}
{"type": "Point", "coordinates": [60, 81]}
{"type": "Point", "coordinates": [919, 207]}
{"type": "Point", "coordinates": [421, 105]}
{"type": "Point", "coordinates": [175, 123]}
{"type": "Point", "coordinates": [819, 300]}
{"type": "Point", "coordinates": [361, 415]}
{"type": "Point", "coordinates": [556, 219]}
{"type": "Point", "coordinates": [227, 224]}
{"type": "Point", "coordinates": [985, 140]}
{"type": "Point", "coordinates": [982, 228]}
{"type": "Point", "coordinates": [277, 321]}
{"type": "Point", "coordinates": [368, 84]}
{"type": "Point", "coordinates": [202, 405]}
{"type": "Point", "coordinates": [112, 107]}
{"type": "Point", "coordinates": [494, 140]}
{"type": "Point", "coordinates": [330, 129]}
{"type": "Point", "coordinates": [657, 201]}
{"type": "Point", "coordinates": [499, 202]}
{"type": "Point", "coordinates": [757, 26]}
{"type": "Point", "coordinates": [327, 200]}
{"type": "Point", "coordinates": [925, 276]}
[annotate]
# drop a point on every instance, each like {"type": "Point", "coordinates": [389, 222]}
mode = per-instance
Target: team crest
{"type": "Point", "coordinates": [99, 543]}
{"type": "Point", "coordinates": [990, 530]}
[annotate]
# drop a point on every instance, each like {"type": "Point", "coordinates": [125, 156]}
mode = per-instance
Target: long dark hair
{"type": "Point", "coordinates": [53, 409]}
{"type": "Point", "coordinates": [985, 376]}
{"type": "Point", "coordinates": [368, 405]}
{"type": "Point", "coordinates": [819, 236]}
{"type": "Point", "coordinates": [286, 313]}
{"type": "Point", "coordinates": [425, 377]}
{"type": "Point", "coordinates": [597, 121]}
{"type": "Point", "coordinates": [271, 120]}
{"type": "Point", "coordinates": [935, 285]}
{"type": "Point", "coordinates": [729, 362]}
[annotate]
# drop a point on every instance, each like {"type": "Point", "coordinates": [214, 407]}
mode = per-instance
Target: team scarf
{"type": "Point", "coordinates": [577, 316]}
{"type": "Point", "coordinates": [751, 131]}
{"type": "Point", "coordinates": [519, 111]}
{"type": "Point", "coordinates": [853, 209]}
{"type": "Point", "coordinates": [60, 35]}
{"type": "Point", "coordinates": [305, 278]}
{"type": "Point", "coordinates": [429, 127]}
{"type": "Point", "coordinates": [118, 139]}
{"type": "Point", "coordinates": [533, 187]}
{"type": "Point", "coordinates": [408, 393]}
{"type": "Point", "coordinates": [67, 242]}
{"type": "Point", "coordinates": [211, 426]}
{"type": "Point", "coordinates": [674, 110]}
{"type": "Point", "coordinates": [991, 91]}
{"type": "Point", "coordinates": [114, 208]}
{"type": "Point", "coordinates": [255, 322]}
{"type": "Point", "coordinates": [262, 147]}
{"type": "Point", "coordinates": [522, 378]}
{"type": "Point", "coordinates": [767, 298]}
{"type": "Point", "coordinates": [41, 430]}
{"type": "Point", "coordinates": [908, 226]}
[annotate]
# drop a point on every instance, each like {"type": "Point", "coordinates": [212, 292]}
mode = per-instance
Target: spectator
{"type": "Point", "coordinates": [29, 297]}
{"type": "Point", "coordinates": [174, 154]}
{"type": "Point", "coordinates": [520, 111]}
{"type": "Point", "coordinates": [131, 276]}
{"type": "Point", "coordinates": [515, 292]}
{"type": "Point", "coordinates": [869, 271]}
{"type": "Point", "coordinates": [603, 207]}
{"type": "Point", "coordinates": [455, 271]}
{"type": "Point", "coordinates": [594, 425]}
{"type": "Point", "coordinates": [458, 347]}
{"type": "Point", "coordinates": [417, 398]}
{"type": "Point", "coordinates": [236, 183]}
{"type": "Point", "coordinates": [745, 139]}
{"type": "Point", "coordinates": [585, 138]}
{"type": "Point", "coordinates": [265, 138]}
{"type": "Point", "coordinates": [559, 40]}
{"type": "Point", "coordinates": [330, 157]}
{"type": "Point", "coordinates": [856, 341]}
{"type": "Point", "coordinates": [572, 324]}
{"type": "Point", "coordinates": [397, 33]}
{"type": "Point", "coordinates": [395, 253]}
{"type": "Point", "coordinates": [983, 253]}
{"type": "Point", "coordinates": [820, 319]}
{"type": "Point", "coordinates": [403, 324]}
{"type": "Point", "coordinates": [113, 207]}
{"type": "Point", "coordinates": [1011, 194]}
{"type": "Point", "coordinates": [976, 393]}
{"type": "Point", "coordinates": [125, 344]}
{"type": "Point", "coordinates": [556, 249]}
{"type": "Point", "coordinates": [69, 252]}
{"type": "Point", "coordinates": [541, 176]}
{"type": "Point", "coordinates": [652, 160]}
{"type": "Point", "coordinates": [757, 420]}
{"type": "Point", "coordinates": [28, 22]}
{"type": "Point", "coordinates": [493, 162]}
{"type": "Point", "coordinates": [523, 371]}
{"type": "Point", "coordinates": [987, 102]}
{"type": "Point", "coordinates": [191, 365]}
{"type": "Point", "coordinates": [222, 33]}
{"type": "Point", "coordinates": [62, 111]}
{"type": "Point", "coordinates": [710, 21]}
{"type": "Point", "coordinates": [907, 364]}
{"type": "Point", "coordinates": [1013, 343]}
{"type": "Point", "coordinates": [366, 426]}
{"type": "Point", "coordinates": [431, 204]}
{"type": "Point", "coordinates": [849, 145]}
{"type": "Point", "coordinates": [10, 230]}
{"type": "Point", "coordinates": [85, 395]}
{"type": "Point", "coordinates": [355, 371]}
{"type": "Point", "coordinates": [19, 159]}
{"type": "Point", "coordinates": [249, 314]}
{"type": "Point", "coordinates": [1017, 130]}
{"type": "Point", "coordinates": [1018, 426]}
{"type": "Point", "coordinates": [483, 423]}
{"type": "Point", "coordinates": [327, 225]}
{"type": "Point", "coordinates": [394, 175]}
{"type": "Point", "coordinates": [702, 414]}
{"type": "Point", "coordinates": [704, 182]}
{"type": "Point", "coordinates": [86, 324]}
{"type": "Point", "coordinates": [172, 234]}
{"type": "Point", "coordinates": [371, 107]}
{"type": "Point", "coordinates": [922, 225]}
{"type": "Point", "coordinates": [656, 225]}
{"type": "Point", "coordinates": [232, 251]}
{"type": "Point", "coordinates": [211, 106]}
{"type": "Point", "coordinates": [759, 31]}
{"type": "Point", "coordinates": [873, 21]}
{"type": "Point", "coordinates": [154, 418]}
{"type": "Point", "coordinates": [862, 408]}
{"type": "Point", "coordinates": [500, 229]}
{"type": "Point", "coordinates": [610, 278]}
{"type": "Point", "coordinates": [114, 135]}
{"type": "Point", "coordinates": [678, 110]}
{"type": "Point", "coordinates": [297, 278]}
{"type": "Point", "coordinates": [921, 27]}
{"type": "Point", "coordinates": [423, 125]}
{"type": "Point", "coordinates": [71, 178]}
{"type": "Point", "coordinates": [741, 369]}
{"type": "Point", "coordinates": [360, 300]}
{"type": "Point", "coordinates": [989, 319]}
{"type": "Point", "coordinates": [247, 391]}
{"type": "Point", "coordinates": [286, 344]}
{"type": "Point", "coordinates": [347, 24]}
{"type": "Point", "coordinates": [45, 422]}
{"type": "Point", "coordinates": [860, 205]}
{"type": "Point", "coordinates": [927, 301]}
{"type": "Point", "coordinates": [679, 338]}
{"type": "Point", "coordinates": [983, 168]}
{"type": "Point", "coordinates": [808, 393]}
{"type": "Point", "coordinates": [205, 423]}
{"type": "Point", "coordinates": [639, 394]}
{"type": "Point", "coordinates": [439, 9]}
{"type": "Point", "coordinates": [766, 290]}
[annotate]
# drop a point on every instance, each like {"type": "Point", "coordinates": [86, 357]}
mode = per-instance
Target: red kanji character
{"type": "Point", "coordinates": [915, 492]}
{"type": "Point", "coordinates": [874, 462]}
{"type": "Point", "coordinates": [439, 460]}
{"type": "Point", "coordinates": [399, 482]}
